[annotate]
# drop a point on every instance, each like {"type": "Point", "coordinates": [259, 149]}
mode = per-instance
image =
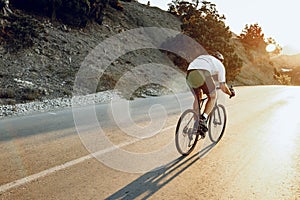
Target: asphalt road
{"type": "Point", "coordinates": [126, 151]}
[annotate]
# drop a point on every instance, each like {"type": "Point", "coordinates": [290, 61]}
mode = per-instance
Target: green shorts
{"type": "Point", "coordinates": [198, 79]}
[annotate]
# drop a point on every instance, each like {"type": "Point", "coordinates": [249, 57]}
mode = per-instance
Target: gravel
{"type": "Point", "coordinates": [47, 105]}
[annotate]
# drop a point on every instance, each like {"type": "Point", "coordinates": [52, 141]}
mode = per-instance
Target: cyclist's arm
{"type": "Point", "coordinates": [224, 87]}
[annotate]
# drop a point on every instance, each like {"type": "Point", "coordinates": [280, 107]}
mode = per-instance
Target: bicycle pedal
{"type": "Point", "coordinates": [203, 129]}
{"type": "Point", "coordinates": [201, 133]}
{"type": "Point", "coordinates": [202, 136]}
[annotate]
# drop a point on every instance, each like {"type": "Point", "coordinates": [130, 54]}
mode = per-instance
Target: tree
{"type": "Point", "coordinates": [277, 49]}
{"type": "Point", "coordinates": [207, 27]}
{"type": "Point", "coordinates": [252, 37]}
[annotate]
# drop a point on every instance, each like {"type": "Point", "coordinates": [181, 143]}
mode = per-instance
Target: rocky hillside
{"type": "Point", "coordinates": [47, 68]}
{"type": "Point", "coordinates": [289, 65]}
{"type": "Point", "coordinates": [287, 61]}
{"type": "Point", "coordinates": [255, 71]}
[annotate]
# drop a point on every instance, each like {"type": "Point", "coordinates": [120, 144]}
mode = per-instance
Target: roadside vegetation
{"type": "Point", "coordinates": [203, 22]}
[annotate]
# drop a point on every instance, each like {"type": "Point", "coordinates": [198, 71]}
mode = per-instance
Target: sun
{"type": "Point", "coordinates": [270, 48]}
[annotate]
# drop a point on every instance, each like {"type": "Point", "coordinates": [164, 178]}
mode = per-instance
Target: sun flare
{"type": "Point", "coordinates": [270, 47]}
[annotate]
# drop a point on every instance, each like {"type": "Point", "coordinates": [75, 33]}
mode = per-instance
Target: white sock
{"type": "Point", "coordinates": [205, 115]}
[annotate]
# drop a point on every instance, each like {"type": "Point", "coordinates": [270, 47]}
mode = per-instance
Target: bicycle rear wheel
{"type": "Point", "coordinates": [186, 136]}
{"type": "Point", "coordinates": [217, 123]}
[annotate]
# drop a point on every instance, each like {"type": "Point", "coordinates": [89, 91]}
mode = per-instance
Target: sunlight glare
{"type": "Point", "coordinates": [282, 141]}
{"type": "Point", "coordinates": [270, 48]}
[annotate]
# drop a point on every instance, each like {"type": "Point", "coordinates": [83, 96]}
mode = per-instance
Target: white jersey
{"type": "Point", "coordinates": [211, 64]}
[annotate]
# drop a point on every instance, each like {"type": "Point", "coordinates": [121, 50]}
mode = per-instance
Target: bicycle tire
{"type": "Point", "coordinates": [185, 135]}
{"type": "Point", "coordinates": [217, 123]}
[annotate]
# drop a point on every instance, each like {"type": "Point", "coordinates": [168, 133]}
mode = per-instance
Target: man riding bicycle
{"type": "Point", "coordinates": [200, 75]}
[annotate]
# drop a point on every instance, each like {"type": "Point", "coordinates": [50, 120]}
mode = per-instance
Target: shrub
{"type": "Point", "coordinates": [72, 12]}
{"type": "Point", "coordinates": [19, 32]}
{"type": "Point", "coordinates": [7, 93]}
{"type": "Point", "coordinates": [29, 94]}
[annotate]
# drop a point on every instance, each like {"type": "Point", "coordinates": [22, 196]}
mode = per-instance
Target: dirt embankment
{"type": "Point", "coordinates": [48, 68]}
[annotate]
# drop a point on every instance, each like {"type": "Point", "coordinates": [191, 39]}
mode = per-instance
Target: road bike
{"type": "Point", "coordinates": [188, 131]}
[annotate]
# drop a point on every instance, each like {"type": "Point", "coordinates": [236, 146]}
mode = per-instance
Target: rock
{"type": "Point", "coordinates": [54, 54]}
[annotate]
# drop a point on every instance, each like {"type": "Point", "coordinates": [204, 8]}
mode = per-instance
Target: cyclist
{"type": "Point", "coordinates": [200, 75]}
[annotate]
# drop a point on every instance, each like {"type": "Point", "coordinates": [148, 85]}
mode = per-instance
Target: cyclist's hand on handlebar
{"type": "Point", "coordinates": [232, 92]}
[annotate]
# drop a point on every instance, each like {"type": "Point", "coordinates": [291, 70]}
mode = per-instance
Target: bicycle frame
{"type": "Point", "coordinates": [200, 105]}
{"type": "Point", "coordinates": [186, 135]}
{"type": "Point", "coordinates": [217, 120]}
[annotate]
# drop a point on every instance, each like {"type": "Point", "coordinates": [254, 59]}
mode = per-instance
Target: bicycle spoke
{"type": "Point", "coordinates": [217, 123]}
{"type": "Point", "coordinates": [186, 137]}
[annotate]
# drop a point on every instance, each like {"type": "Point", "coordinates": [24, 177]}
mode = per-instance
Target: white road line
{"type": "Point", "coordinates": [52, 113]}
{"type": "Point", "coordinates": [30, 178]}
{"type": "Point", "coordinates": [46, 172]}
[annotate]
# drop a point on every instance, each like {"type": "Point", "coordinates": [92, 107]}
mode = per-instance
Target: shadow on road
{"type": "Point", "coordinates": [148, 184]}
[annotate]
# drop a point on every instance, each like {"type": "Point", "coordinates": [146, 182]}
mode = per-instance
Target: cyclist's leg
{"type": "Point", "coordinates": [210, 102]}
{"type": "Point", "coordinates": [195, 80]}
{"type": "Point", "coordinates": [209, 88]}
{"type": "Point", "coordinates": [197, 97]}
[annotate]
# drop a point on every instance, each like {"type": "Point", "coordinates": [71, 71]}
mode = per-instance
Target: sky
{"type": "Point", "coordinates": [278, 19]}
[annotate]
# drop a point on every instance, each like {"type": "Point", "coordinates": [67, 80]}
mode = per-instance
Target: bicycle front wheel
{"type": "Point", "coordinates": [186, 136]}
{"type": "Point", "coordinates": [217, 123]}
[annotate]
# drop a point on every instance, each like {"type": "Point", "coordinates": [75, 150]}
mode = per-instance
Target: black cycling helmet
{"type": "Point", "coordinates": [218, 55]}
